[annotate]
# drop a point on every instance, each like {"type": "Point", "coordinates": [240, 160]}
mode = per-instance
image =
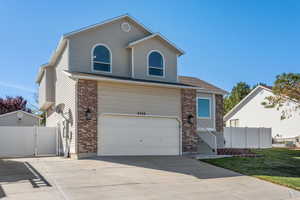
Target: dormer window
{"type": "Point", "coordinates": [156, 64]}
{"type": "Point", "coordinates": [101, 58]}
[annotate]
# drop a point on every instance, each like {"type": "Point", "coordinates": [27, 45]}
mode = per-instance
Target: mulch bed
{"type": "Point", "coordinates": [238, 152]}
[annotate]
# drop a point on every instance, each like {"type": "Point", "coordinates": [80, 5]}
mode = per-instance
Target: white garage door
{"type": "Point", "coordinates": [137, 135]}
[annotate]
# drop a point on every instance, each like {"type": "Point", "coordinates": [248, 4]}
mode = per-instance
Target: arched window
{"type": "Point", "coordinates": [155, 64]}
{"type": "Point", "coordinates": [101, 58]}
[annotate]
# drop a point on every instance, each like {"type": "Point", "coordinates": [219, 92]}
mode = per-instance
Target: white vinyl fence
{"type": "Point", "coordinates": [253, 138]}
{"type": "Point", "coordinates": [27, 141]}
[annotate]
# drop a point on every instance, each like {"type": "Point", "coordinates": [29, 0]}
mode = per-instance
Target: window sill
{"type": "Point", "coordinates": [204, 118]}
{"type": "Point", "coordinates": [156, 76]}
{"type": "Point", "coordinates": [206, 129]}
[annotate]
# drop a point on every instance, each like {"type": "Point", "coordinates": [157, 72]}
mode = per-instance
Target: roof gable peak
{"type": "Point", "coordinates": [180, 51]}
{"type": "Point", "coordinates": [107, 22]}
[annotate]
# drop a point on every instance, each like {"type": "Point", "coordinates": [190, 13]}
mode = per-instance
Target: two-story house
{"type": "Point", "coordinates": [113, 89]}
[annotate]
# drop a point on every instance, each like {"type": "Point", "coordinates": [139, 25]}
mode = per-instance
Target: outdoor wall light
{"type": "Point", "coordinates": [88, 114]}
{"type": "Point", "coordinates": [190, 119]}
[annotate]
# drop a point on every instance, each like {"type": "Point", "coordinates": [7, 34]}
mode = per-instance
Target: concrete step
{"type": "Point", "coordinates": [203, 148]}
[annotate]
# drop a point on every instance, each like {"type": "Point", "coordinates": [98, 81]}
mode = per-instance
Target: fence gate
{"type": "Point", "coordinates": [27, 141]}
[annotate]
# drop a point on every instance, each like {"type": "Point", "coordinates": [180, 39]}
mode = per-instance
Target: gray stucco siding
{"type": "Point", "coordinates": [80, 47]}
{"type": "Point", "coordinates": [140, 60]}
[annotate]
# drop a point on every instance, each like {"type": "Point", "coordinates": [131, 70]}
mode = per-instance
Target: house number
{"type": "Point", "coordinates": [141, 113]}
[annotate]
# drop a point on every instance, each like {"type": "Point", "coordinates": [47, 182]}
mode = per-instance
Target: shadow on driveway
{"type": "Point", "coordinates": [177, 164]}
{"type": "Point", "coordinates": [2, 193]}
{"type": "Point", "coordinates": [15, 171]}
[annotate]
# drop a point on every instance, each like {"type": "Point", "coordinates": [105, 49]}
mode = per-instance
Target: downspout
{"type": "Point", "coordinates": [76, 116]}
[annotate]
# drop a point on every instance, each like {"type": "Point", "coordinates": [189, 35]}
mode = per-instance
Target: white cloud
{"type": "Point", "coordinates": [18, 87]}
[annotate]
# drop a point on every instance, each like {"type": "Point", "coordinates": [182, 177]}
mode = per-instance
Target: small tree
{"type": "Point", "coordinates": [42, 114]}
{"type": "Point", "coordinates": [238, 92]}
{"type": "Point", "coordinates": [286, 97]}
{"type": "Point", "coordinates": [10, 104]}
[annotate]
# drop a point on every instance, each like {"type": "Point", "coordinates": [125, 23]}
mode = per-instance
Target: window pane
{"type": "Point", "coordinates": [101, 54]}
{"type": "Point", "coordinates": [203, 108]}
{"type": "Point", "coordinates": [155, 60]}
{"type": "Point", "coordinates": [102, 67]}
{"type": "Point", "coordinates": [155, 72]}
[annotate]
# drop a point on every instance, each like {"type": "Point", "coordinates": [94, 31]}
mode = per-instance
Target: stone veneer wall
{"type": "Point", "coordinates": [87, 129]}
{"type": "Point", "coordinates": [189, 131]}
{"type": "Point", "coordinates": [219, 113]}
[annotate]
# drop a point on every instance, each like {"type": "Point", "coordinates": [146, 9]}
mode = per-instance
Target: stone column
{"type": "Point", "coordinates": [189, 130]}
{"type": "Point", "coordinates": [87, 129]}
{"type": "Point", "coordinates": [219, 113]}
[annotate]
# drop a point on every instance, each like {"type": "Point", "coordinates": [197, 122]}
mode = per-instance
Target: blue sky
{"type": "Point", "coordinates": [226, 41]}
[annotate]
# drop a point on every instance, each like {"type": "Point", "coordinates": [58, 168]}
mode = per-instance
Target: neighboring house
{"type": "Point", "coordinates": [19, 118]}
{"type": "Point", "coordinates": [251, 113]}
{"type": "Point", "coordinates": [118, 88]}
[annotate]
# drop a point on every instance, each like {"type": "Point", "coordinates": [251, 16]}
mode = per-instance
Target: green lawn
{"type": "Point", "coordinates": [281, 166]}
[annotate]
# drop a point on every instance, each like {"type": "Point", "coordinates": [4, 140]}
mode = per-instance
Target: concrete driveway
{"type": "Point", "coordinates": [131, 178]}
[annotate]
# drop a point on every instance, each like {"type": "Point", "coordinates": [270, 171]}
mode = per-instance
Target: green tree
{"type": "Point", "coordinates": [37, 111]}
{"type": "Point", "coordinates": [260, 83]}
{"type": "Point", "coordinates": [238, 92]}
{"type": "Point", "coordinates": [286, 89]}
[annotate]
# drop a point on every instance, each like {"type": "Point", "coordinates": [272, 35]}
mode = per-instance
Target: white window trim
{"type": "Point", "coordinates": [92, 59]}
{"type": "Point", "coordinates": [164, 64]}
{"type": "Point", "coordinates": [210, 107]}
{"type": "Point", "coordinates": [132, 62]}
{"type": "Point", "coordinates": [214, 107]}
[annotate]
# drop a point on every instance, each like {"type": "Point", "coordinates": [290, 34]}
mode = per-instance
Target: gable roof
{"type": "Point", "coordinates": [63, 40]}
{"type": "Point", "coordinates": [107, 22]}
{"type": "Point", "coordinates": [180, 51]}
{"type": "Point", "coordinates": [26, 113]}
{"type": "Point", "coordinates": [250, 96]}
{"type": "Point", "coordinates": [201, 84]}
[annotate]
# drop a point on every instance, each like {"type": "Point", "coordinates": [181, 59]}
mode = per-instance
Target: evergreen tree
{"type": "Point", "coordinates": [238, 92]}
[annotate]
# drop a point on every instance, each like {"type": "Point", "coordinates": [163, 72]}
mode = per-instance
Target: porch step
{"type": "Point", "coordinates": [204, 149]}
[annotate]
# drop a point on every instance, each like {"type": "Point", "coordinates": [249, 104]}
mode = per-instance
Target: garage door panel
{"type": "Point", "coordinates": [131, 99]}
{"type": "Point", "coordinates": [128, 135]}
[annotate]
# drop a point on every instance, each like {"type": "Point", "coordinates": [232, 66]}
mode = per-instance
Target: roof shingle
{"type": "Point", "coordinates": [200, 83]}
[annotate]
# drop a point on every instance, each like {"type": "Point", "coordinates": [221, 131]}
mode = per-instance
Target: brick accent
{"type": "Point", "coordinates": [219, 113]}
{"type": "Point", "coordinates": [189, 131]}
{"type": "Point", "coordinates": [87, 129]}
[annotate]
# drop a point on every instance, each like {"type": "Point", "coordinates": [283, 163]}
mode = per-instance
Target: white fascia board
{"type": "Point", "coordinates": [106, 22]}
{"type": "Point", "coordinates": [52, 60]}
{"type": "Point", "coordinates": [26, 113]}
{"type": "Point", "coordinates": [211, 92]}
{"type": "Point", "coordinates": [63, 39]}
{"type": "Point", "coordinates": [58, 50]}
{"type": "Point", "coordinates": [156, 35]}
{"type": "Point", "coordinates": [243, 100]}
{"type": "Point", "coordinates": [41, 72]}
{"type": "Point", "coordinates": [91, 77]}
